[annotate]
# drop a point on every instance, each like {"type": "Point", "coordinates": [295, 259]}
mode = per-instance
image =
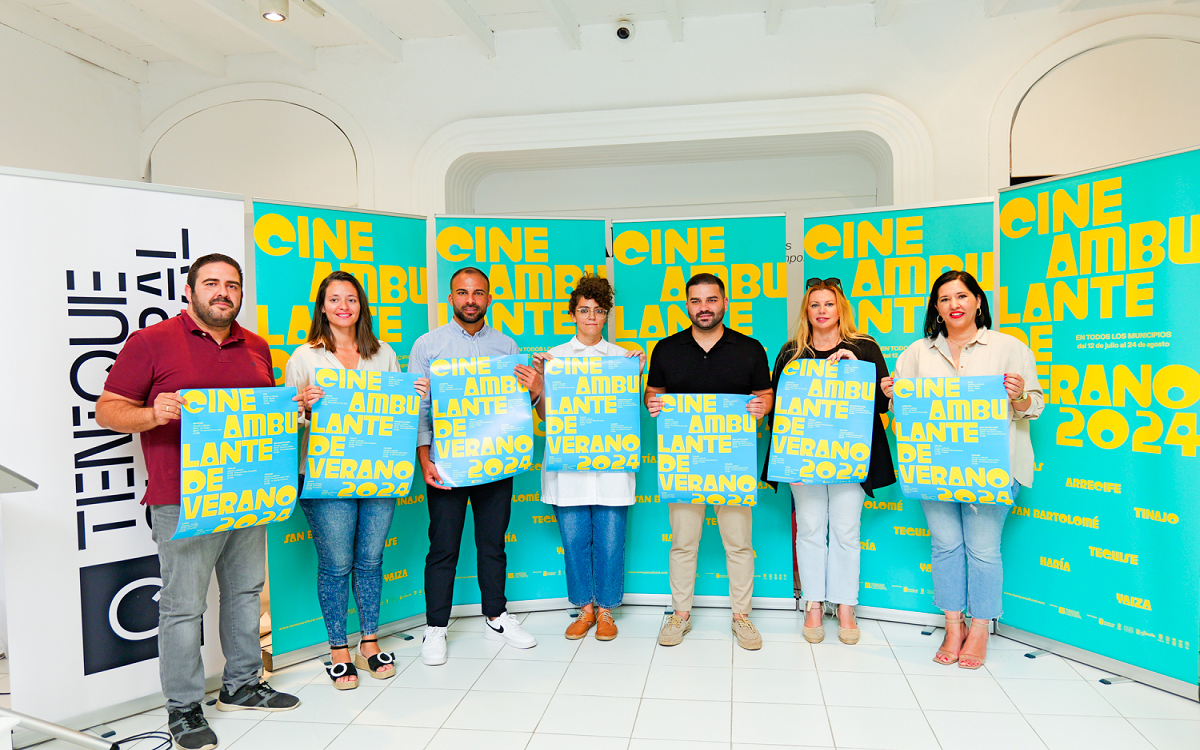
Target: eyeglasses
{"type": "Point", "coordinates": [591, 312]}
{"type": "Point", "coordinates": [831, 281]}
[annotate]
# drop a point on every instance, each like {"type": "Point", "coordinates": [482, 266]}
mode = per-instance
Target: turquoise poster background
{"type": "Point", "coordinates": [886, 259]}
{"type": "Point", "coordinates": [707, 449]}
{"type": "Point", "coordinates": [593, 414]}
{"type": "Point", "coordinates": [1099, 277]}
{"type": "Point", "coordinates": [533, 265]}
{"type": "Point", "coordinates": [652, 262]}
{"type": "Point", "coordinates": [295, 247]}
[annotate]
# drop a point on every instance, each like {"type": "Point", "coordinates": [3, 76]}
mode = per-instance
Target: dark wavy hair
{"type": "Point", "coordinates": [596, 288]}
{"type": "Point", "coordinates": [321, 333]}
{"type": "Point", "coordinates": [934, 325]}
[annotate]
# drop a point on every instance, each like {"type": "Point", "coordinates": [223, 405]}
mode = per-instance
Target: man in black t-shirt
{"type": "Point", "coordinates": [710, 358]}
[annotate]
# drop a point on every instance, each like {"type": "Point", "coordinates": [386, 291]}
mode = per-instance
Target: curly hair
{"type": "Point", "coordinates": [595, 288]}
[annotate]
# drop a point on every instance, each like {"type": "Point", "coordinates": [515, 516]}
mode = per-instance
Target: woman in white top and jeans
{"type": "Point", "coordinates": [591, 505]}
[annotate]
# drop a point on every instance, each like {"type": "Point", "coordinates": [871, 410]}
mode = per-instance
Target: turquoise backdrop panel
{"type": "Point", "coordinates": [295, 247]}
{"type": "Point", "coordinates": [652, 262]}
{"type": "Point", "coordinates": [887, 259]}
{"type": "Point", "coordinates": [1099, 276]}
{"type": "Point", "coordinates": [533, 265]}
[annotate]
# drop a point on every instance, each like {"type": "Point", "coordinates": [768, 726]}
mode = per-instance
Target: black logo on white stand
{"type": "Point", "coordinates": [119, 602]}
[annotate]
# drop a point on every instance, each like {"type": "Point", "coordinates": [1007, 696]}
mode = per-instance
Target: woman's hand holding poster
{"type": "Point", "coordinates": [593, 414]}
{"type": "Point", "coordinates": [482, 419]}
{"type": "Point", "coordinates": [362, 438]}
{"type": "Point", "coordinates": [707, 449]}
{"type": "Point", "coordinates": [952, 438]}
{"type": "Point", "coordinates": [824, 415]}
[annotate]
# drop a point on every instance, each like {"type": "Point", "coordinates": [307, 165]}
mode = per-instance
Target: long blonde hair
{"type": "Point", "coordinates": [802, 337]}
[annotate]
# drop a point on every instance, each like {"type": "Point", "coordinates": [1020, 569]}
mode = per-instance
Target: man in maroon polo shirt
{"type": "Point", "coordinates": [202, 347]}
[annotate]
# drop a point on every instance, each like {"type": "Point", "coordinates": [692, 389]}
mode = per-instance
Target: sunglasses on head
{"type": "Point", "coordinates": [831, 281]}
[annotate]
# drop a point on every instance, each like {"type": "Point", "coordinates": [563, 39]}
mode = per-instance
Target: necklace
{"type": "Point", "coordinates": [956, 343]}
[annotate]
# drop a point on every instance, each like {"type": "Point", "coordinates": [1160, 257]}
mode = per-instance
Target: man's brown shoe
{"type": "Point", "coordinates": [581, 626]}
{"type": "Point", "coordinates": [606, 629]}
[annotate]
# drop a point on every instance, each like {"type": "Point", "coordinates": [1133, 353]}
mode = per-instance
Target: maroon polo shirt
{"type": "Point", "coordinates": [177, 354]}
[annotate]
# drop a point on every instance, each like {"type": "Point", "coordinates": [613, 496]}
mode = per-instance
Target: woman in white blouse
{"type": "Point", "coordinates": [591, 505]}
{"type": "Point", "coordinates": [349, 533]}
{"type": "Point", "coordinates": [967, 569]}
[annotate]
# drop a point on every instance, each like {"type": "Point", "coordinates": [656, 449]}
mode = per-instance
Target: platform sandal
{"type": "Point", "coordinates": [373, 663]}
{"type": "Point", "coordinates": [342, 669]}
{"type": "Point", "coordinates": [971, 661]}
{"type": "Point", "coordinates": [944, 657]}
{"type": "Point", "coordinates": [817, 634]}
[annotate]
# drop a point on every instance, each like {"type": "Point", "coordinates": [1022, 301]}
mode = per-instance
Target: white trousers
{"type": "Point", "coordinates": [827, 547]}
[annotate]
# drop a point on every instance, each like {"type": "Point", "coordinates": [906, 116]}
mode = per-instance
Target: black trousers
{"type": "Point", "coordinates": [491, 506]}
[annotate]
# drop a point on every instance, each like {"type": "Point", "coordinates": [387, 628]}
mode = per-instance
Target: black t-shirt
{"type": "Point", "coordinates": [735, 364]}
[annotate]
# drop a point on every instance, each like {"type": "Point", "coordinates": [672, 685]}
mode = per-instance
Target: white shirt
{"type": "Point", "coordinates": [588, 487]}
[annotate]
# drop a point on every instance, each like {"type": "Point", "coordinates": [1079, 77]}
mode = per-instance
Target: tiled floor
{"type": "Point", "coordinates": [707, 694]}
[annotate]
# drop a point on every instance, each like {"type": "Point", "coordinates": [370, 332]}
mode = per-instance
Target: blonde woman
{"type": "Point", "coordinates": [828, 515]}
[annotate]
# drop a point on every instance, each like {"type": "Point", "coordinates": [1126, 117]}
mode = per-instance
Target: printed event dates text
{"type": "Point", "coordinates": [1109, 429]}
{"type": "Point", "coordinates": [497, 466]}
{"type": "Point", "coordinates": [827, 470]}
{"type": "Point", "coordinates": [604, 463]}
{"type": "Point", "coordinates": [368, 489]}
{"type": "Point", "coordinates": [721, 499]}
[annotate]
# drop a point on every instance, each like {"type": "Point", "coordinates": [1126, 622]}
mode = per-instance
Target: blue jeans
{"type": "Point", "coordinates": [594, 547]}
{"type": "Point", "coordinates": [967, 572]}
{"type": "Point", "coordinates": [349, 534]}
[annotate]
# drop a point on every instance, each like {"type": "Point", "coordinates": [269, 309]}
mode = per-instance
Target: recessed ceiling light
{"type": "Point", "coordinates": [273, 10]}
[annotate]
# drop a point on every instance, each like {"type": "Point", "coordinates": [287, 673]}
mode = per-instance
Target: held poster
{"type": "Point", "coordinates": [1099, 277]}
{"type": "Point", "coordinates": [886, 260]}
{"type": "Point", "coordinates": [824, 417]}
{"type": "Point", "coordinates": [482, 419]}
{"type": "Point", "coordinates": [952, 439]}
{"type": "Point", "coordinates": [593, 414]}
{"type": "Point", "coordinates": [652, 262]}
{"type": "Point", "coordinates": [237, 459]}
{"type": "Point", "coordinates": [295, 248]}
{"type": "Point", "coordinates": [707, 450]}
{"type": "Point", "coordinates": [533, 265]}
{"type": "Point", "coordinates": [362, 438]}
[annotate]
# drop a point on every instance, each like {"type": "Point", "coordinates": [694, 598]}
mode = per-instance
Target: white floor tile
{"type": "Point", "coordinates": [4, 665]}
{"type": "Point", "coordinates": [616, 680]}
{"type": "Point", "coordinates": [637, 625]}
{"type": "Point", "coordinates": [1061, 697]}
{"type": "Point", "coordinates": [501, 712]}
{"type": "Point", "coordinates": [522, 677]}
{"type": "Point", "coordinates": [790, 655]}
{"type": "Point", "coordinates": [1169, 734]}
{"type": "Point", "coordinates": [468, 625]}
{"type": "Point", "coordinates": [780, 724]}
{"type": "Point", "coordinates": [690, 683]}
{"type": "Point", "coordinates": [986, 731]}
{"type": "Point", "coordinates": [1000, 643]}
{"type": "Point", "coordinates": [211, 712]}
{"type": "Point", "coordinates": [549, 648]}
{"type": "Point", "coordinates": [298, 674]}
{"type": "Point", "coordinates": [548, 623]}
{"type": "Point", "coordinates": [638, 743]}
{"type": "Point", "coordinates": [141, 723]}
{"type": "Point", "coordinates": [320, 702]}
{"type": "Point", "coordinates": [294, 735]}
{"type": "Point", "coordinates": [1010, 664]}
{"type": "Point", "coordinates": [620, 651]}
{"type": "Point", "coordinates": [1089, 673]}
{"type": "Point", "coordinates": [871, 632]}
{"type": "Point", "coordinates": [711, 627]}
{"type": "Point", "coordinates": [411, 707]}
{"type": "Point", "coordinates": [956, 694]}
{"type": "Point", "coordinates": [359, 736]}
{"type": "Point", "coordinates": [867, 690]}
{"type": "Point", "coordinates": [396, 645]}
{"type": "Point", "coordinates": [542, 741]}
{"type": "Point", "coordinates": [779, 628]}
{"type": "Point", "coordinates": [919, 660]}
{"type": "Point", "coordinates": [1091, 732]}
{"type": "Point", "coordinates": [228, 731]}
{"type": "Point", "coordinates": [455, 674]}
{"type": "Point", "coordinates": [1137, 701]}
{"type": "Point", "coordinates": [838, 657]}
{"type": "Point", "coordinates": [465, 739]}
{"type": "Point", "coordinates": [748, 746]}
{"type": "Point", "coordinates": [776, 686]}
{"type": "Point", "coordinates": [695, 653]}
{"type": "Point", "coordinates": [470, 645]}
{"type": "Point", "coordinates": [903, 634]}
{"type": "Point", "coordinates": [687, 721]}
{"type": "Point", "coordinates": [881, 729]}
{"type": "Point", "coordinates": [607, 717]}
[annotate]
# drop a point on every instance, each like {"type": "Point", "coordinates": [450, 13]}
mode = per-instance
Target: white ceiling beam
{"type": "Point", "coordinates": [884, 10]}
{"type": "Point", "coordinates": [314, 10]}
{"type": "Point", "coordinates": [564, 19]}
{"type": "Point", "coordinates": [992, 8]}
{"type": "Point", "coordinates": [774, 12]}
{"type": "Point", "coordinates": [272, 34]}
{"type": "Point", "coordinates": [477, 29]}
{"type": "Point", "coordinates": [1066, 6]}
{"type": "Point", "coordinates": [674, 19]}
{"type": "Point", "coordinates": [19, 16]}
{"type": "Point", "coordinates": [356, 18]}
{"type": "Point", "coordinates": [154, 32]}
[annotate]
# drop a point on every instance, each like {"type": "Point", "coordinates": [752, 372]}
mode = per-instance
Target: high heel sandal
{"type": "Point", "coordinates": [941, 652]}
{"type": "Point", "coordinates": [970, 661]}
{"type": "Point", "coordinates": [849, 636]}
{"type": "Point", "coordinates": [817, 634]}
{"type": "Point", "coordinates": [342, 669]}
{"type": "Point", "coordinates": [373, 663]}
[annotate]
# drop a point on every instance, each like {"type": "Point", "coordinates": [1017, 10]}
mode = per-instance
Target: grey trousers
{"type": "Point", "coordinates": [239, 557]}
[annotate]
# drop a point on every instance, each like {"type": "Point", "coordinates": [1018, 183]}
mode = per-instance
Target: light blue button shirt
{"type": "Point", "coordinates": [447, 342]}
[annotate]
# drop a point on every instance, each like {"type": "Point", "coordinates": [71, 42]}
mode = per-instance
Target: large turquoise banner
{"type": "Point", "coordinates": [652, 263]}
{"type": "Point", "coordinates": [886, 260]}
{"type": "Point", "coordinates": [1099, 276]}
{"type": "Point", "coordinates": [533, 265]}
{"type": "Point", "coordinates": [295, 248]}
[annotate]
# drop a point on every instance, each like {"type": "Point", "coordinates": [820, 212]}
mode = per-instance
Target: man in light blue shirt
{"type": "Point", "coordinates": [466, 335]}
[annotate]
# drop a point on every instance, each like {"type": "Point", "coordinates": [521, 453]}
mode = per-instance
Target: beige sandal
{"type": "Point", "coordinates": [941, 652]}
{"type": "Point", "coordinates": [849, 636]}
{"type": "Point", "coordinates": [970, 661]}
{"type": "Point", "coordinates": [815, 635]}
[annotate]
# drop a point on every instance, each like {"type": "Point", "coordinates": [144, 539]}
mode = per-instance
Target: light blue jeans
{"type": "Point", "coordinates": [594, 547]}
{"type": "Point", "coordinates": [967, 571]}
{"type": "Point", "coordinates": [827, 548]}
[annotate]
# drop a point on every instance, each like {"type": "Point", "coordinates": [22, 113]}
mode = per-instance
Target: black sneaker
{"type": "Point", "coordinates": [257, 697]}
{"type": "Point", "coordinates": [190, 729]}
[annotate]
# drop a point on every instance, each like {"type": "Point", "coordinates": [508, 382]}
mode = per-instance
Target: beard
{"type": "Point", "coordinates": [472, 317]}
{"type": "Point", "coordinates": [212, 317]}
{"type": "Point", "coordinates": [717, 318]}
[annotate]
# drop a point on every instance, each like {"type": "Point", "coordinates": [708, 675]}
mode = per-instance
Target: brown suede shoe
{"type": "Point", "coordinates": [581, 626]}
{"type": "Point", "coordinates": [606, 629]}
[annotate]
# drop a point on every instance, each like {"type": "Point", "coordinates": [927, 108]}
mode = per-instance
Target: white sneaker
{"type": "Point", "coordinates": [433, 650]}
{"type": "Point", "coordinates": [506, 629]}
